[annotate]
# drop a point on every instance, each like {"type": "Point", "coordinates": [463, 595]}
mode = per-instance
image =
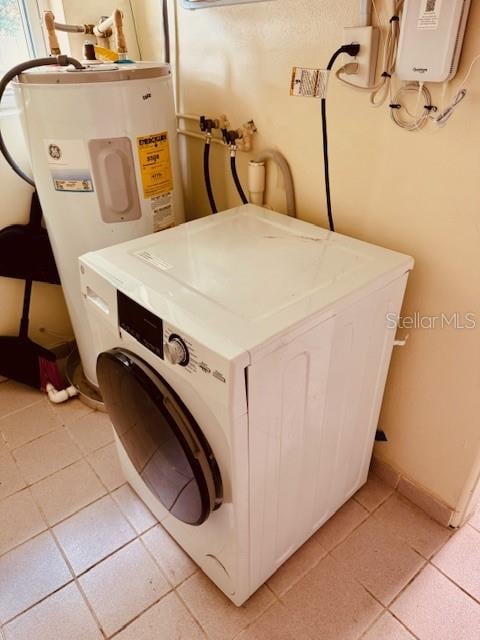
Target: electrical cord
{"type": "Point", "coordinates": [236, 180]}
{"type": "Point", "coordinates": [352, 50]}
{"type": "Point", "coordinates": [206, 172]}
{"type": "Point", "coordinates": [166, 32]}
{"type": "Point", "coordinates": [380, 91]}
{"type": "Point", "coordinates": [60, 60]}
{"type": "Point", "coordinates": [417, 121]}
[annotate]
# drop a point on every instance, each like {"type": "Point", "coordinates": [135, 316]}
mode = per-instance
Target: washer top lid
{"type": "Point", "coordinates": [246, 274]}
{"type": "Point", "coordinates": [107, 72]}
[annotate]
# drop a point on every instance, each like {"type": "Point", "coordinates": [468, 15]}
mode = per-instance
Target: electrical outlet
{"type": "Point", "coordinates": [367, 38]}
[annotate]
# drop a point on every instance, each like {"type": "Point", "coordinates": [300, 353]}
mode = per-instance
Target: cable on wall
{"type": "Point", "coordinates": [166, 31]}
{"type": "Point", "coordinates": [352, 50]}
{"type": "Point", "coordinates": [423, 107]}
{"type": "Point", "coordinates": [382, 89]}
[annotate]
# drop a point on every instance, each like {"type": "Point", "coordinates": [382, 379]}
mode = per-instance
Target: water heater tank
{"type": "Point", "coordinates": [104, 158]}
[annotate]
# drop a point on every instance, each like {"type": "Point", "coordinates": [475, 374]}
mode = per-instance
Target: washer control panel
{"type": "Point", "coordinates": [176, 351]}
{"type": "Point", "coordinates": [169, 343]}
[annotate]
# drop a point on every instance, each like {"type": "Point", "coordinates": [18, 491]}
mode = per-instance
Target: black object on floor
{"type": "Point", "coordinates": [25, 253]}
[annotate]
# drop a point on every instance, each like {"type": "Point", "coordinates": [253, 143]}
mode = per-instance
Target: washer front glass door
{"type": "Point", "coordinates": [160, 436]}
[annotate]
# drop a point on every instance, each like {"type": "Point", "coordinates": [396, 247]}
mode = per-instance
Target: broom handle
{"type": "Point", "coordinates": [26, 309]}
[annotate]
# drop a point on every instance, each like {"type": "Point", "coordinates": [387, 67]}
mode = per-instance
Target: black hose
{"type": "Point", "coordinates": [166, 32]}
{"type": "Point", "coordinates": [351, 49]}
{"type": "Point", "coordinates": [206, 173]}
{"type": "Point", "coordinates": [241, 193]}
{"type": "Point", "coordinates": [4, 82]}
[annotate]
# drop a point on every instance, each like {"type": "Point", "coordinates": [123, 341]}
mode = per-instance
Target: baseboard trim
{"type": "Point", "coordinates": [433, 507]}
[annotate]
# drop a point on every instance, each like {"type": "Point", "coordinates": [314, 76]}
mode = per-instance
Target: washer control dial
{"type": "Point", "coordinates": [176, 350]}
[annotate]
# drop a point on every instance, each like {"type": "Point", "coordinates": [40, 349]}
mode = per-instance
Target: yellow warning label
{"type": "Point", "coordinates": [155, 167]}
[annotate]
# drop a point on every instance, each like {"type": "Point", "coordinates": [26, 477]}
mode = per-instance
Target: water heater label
{"type": "Point", "coordinates": [429, 14]}
{"type": "Point", "coordinates": [69, 165]}
{"type": "Point", "coordinates": [155, 165]}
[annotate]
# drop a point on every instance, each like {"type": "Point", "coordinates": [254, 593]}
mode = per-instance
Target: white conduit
{"type": "Point", "coordinates": [282, 164]}
{"type": "Point", "coordinates": [57, 396]}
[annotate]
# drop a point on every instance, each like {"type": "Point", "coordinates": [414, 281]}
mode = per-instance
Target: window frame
{"type": "Point", "coordinates": [30, 13]}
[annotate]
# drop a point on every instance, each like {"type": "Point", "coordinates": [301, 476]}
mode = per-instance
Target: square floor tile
{"type": "Point", "coordinates": [133, 509]}
{"type": "Point", "coordinates": [175, 563]}
{"type": "Point", "coordinates": [373, 493]}
{"type": "Point", "coordinates": [14, 396]}
{"type": "Point", "coordinates": [219, 617]}
{"type": "Point", "coordinates": [30, 573]}
{"type": "Point", "coordinates": [45, 455]}
{"type": "Point", "coordinates": [10, 477]}
{"type": "Point", "coordinates": [93, 533]}
{"type": "Point", "coordinates": [62, 616]}
{"type": "Point", "coordinates": [166, 620]}
{"type": "Point", "coordinates": [329, 599]}
{"type": "Point", "coordinates": [341, 524]}
{"type": "Point", "coordinates": [67, 491]}
{"type": "Point", "coordinates": [20, 520]}
{"type": "Point", "coordinates": [107, 466]}
{"type": "Point", "coordinates": [297, 566]}
{"type": "Point", "coordinates": [388, 628]}
{"type": "Point", "coordinates": [91, 431]}
{"type": "Point", "coordinates": [433, 608]}
{"type": "Point", "coordinates": [123, 585]}
{"type": "Point", "coordinates": [72, 410]}
{"type": "Point", "coordinates": [412, 524]}
{"type": "Point", "coordinates": [277, 623]}
{"type": "Point", "coordinates": [28, 424]}
{"type": "Point", "coordinates": [383, 563]}
{"type": "Point", "coordinates": [460, 560]}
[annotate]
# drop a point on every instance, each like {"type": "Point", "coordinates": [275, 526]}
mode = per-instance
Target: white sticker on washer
{"type": "Point", "coordinates": [429, 15]}
{"type": "Point", "coordinates": [69, 165]}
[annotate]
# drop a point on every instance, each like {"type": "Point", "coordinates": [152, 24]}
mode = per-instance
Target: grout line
{"type": "Point", "coordinates": [185, 604]}
{"type": "Point", "coordinates": [403, 624]}
{"type": "Point", "coordinates": [27, 406]}
{"type": "Point", "coordinates": [373, 623]}
{"type": "Point", "coordinates": [30, 607]}
{"type": "Point", "coordinates": [72, 571]}
{"type": "Point", "coordinates": [450, 579]}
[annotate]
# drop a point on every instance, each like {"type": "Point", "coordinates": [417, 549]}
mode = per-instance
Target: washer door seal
{"type": "Point", "coordinates": [160, 436]}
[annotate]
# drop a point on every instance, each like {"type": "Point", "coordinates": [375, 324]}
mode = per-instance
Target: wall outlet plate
{"type": "Point", "coordinates": [367, 38]}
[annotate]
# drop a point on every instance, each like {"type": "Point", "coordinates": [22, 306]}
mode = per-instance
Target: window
{"type": "Point", "coordinates": [20, 36]}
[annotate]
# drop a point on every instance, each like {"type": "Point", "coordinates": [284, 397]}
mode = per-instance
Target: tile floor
{"type": "Point", "coordinates": [81, 558]}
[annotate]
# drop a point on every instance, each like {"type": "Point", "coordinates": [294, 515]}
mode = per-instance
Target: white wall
{"type": "Point", "coordinates": [414, 192]}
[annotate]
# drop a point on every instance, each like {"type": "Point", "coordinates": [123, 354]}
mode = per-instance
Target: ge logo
{"type": "Point", "coordinates": [54, 151]}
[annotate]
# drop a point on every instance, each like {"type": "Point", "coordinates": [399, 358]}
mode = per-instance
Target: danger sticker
{"type": "Point", "coordinates": [308, 83]}
{"type": "Point", "coordinates": [155, 165]}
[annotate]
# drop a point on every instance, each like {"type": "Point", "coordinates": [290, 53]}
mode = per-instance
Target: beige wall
{"type": "Point", "coordinates": [414, 192]}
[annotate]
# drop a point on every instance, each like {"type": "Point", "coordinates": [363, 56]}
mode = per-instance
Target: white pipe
{"type": "Point", "coordinates": [282, 164]}
{"type": "Point", "coordinates": [63, 395]}
{"type": "Point", "coordinates": [188, 116]}
{"type": "Point", "coordinates": [200, 136]}
{"type": "Point", "coordinates": [256, 182]}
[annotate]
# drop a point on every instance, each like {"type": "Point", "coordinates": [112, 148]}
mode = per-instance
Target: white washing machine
{"type": "Point", "coordinates": [242, 359]}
